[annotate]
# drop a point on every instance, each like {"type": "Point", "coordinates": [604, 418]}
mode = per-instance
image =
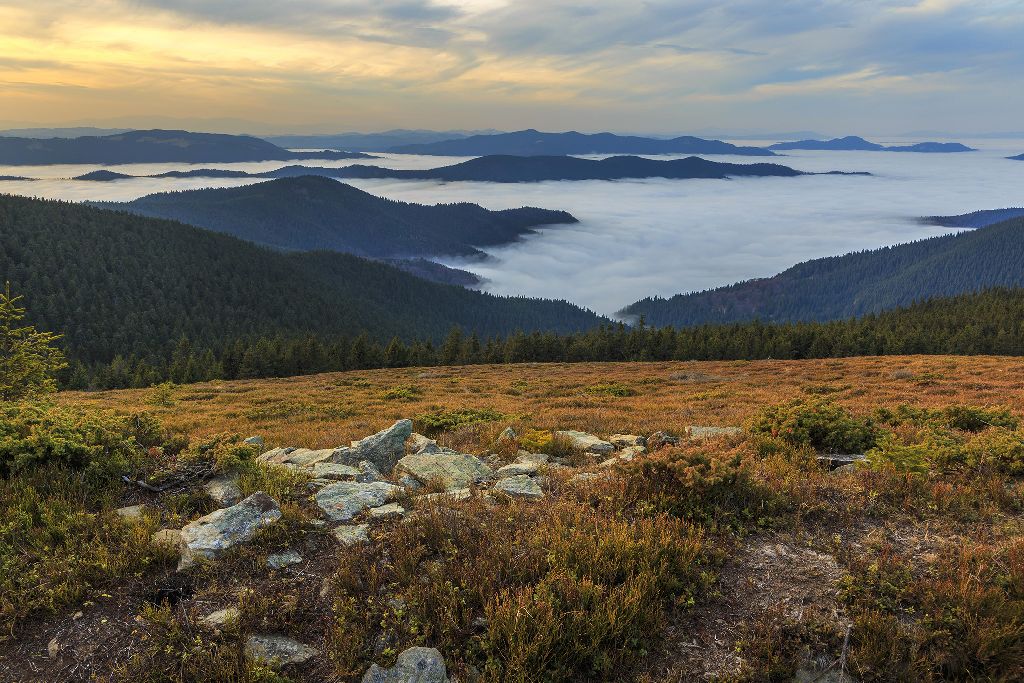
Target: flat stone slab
{"type": "Point", "coordinates": [697, 432]}
{"type": "Point", "coordinates": [447, 496]}
{"type": "Point", "coordinates": [297, 457]}
{"type": "Point", "coordinates": [210, 536]}
{"type": "Point", "coordinates": [588, 443]}
{"type": "Point", "coordinates": [453, 470]}
{"type": "Point", "coordinates": [520, 486]}
{"type": "Point", "coordinates": [626, 440]}
{"type": "Point", "coordinates": [277, 650]}
{"type": "Point", "coordinates": [341, 502]}
{"type": "Point", "coordinates": [517, 468]}
{"type": "Point", "coordinates": [284, 559]}
{"type": "Point", "coordinates": [352, 534]}
{"type": "Point", "coordinates": [336, 471]}
{"type": "Point", "coordinates": [387, 512]}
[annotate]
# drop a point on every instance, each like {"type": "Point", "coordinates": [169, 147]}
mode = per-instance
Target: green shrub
{"type": "Point", "coordinates": [823, 425]}
{"type": "Point", "coordinates": [448, 420]}
{"type": "Point", "coordinates": [959, 417]}
{"type": "Point", "coordinates": [404, 392]}
{"type": "Point", "coordinates": [225, 452]}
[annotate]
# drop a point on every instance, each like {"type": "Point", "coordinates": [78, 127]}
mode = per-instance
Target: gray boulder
{"type": "Point", "coordinates": [588, 443]}
{"type": "Point", "coordinates": [696, 432]}
{"type": "Point", "coordinates": [517, 468]}
{"type": "Point", "coordinates": [453, 470]}
{"type": "Point", "coordinates": [341, 502]}
{"type": "Point", "coordinates": [415, 665]}
{"type": "Point", "coordinates": [210, 536]}
{"type": "Point", "coordinates": [626, 440]}
{"type": "Point", "coordinates": [221, 618]}
{"type": "Point", "coordinates": [368, 472]}
{"type": "Point", "coordinates": [255, 441]}
{"type": "Point", "coordinates": [298, 457]}
{"type": "Point", "coordinates": [387, 512]}
{"type": "Point", "coordinates": [352, 534]}
{"type": "Point", "coordinates": [336, 471]}
{"type": "Point", "coordinates": [520, 486]}
{"type": "Point", "coordinates": [223, 490]}
{"type": "Point", "coordinates": [277, 651]}
{"type": "Point", "coordinates": [383, 449]}
{"type": "Point", "coordinates": [283, 559]}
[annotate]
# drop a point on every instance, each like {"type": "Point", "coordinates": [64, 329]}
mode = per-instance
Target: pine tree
{"type": "Point", "coordinates": [29, 360]}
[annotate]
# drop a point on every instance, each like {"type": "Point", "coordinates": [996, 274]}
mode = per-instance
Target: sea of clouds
{"type": "Point", "coordinates": [638, 238]}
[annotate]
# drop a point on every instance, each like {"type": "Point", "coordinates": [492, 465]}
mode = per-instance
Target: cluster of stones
{"type": "Point", "coordinates": [351, 489]}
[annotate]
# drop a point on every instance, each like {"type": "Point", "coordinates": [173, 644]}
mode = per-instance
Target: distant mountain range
{"type": "Point", "coordinates": [312, 213]}
{"type": "Point", "coordinates": [857, 283]}
{"type": "Point", "coordinates": [854, 143]}
{"type": "Point", "coordinates": [534, 143]}
{"type": "Point", "coordinates": [975, 219]}
{"type": "Point", "coordinates": [504, 169]}
{"type": "Point", "coordinates": [371, 142]}
{"type": "Point", "coordinates": [152, 146]}
{"type": "Point", "coordinates": [73, 132]}
{"type": "Point", "coordinates": [119, 284]}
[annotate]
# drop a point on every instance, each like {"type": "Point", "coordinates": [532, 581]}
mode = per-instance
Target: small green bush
{"type": "Point", "coordinates": [404, 392]}
{"type": "Point", "coordinates": [448, 420]}
{"type": "Point", "coordinates": [822, 425]}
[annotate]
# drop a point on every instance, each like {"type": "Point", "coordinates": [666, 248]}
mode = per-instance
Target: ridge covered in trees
{"type": "Point", "coordinates": [532, 142]}
{"type": "Point", "coordinates": [152, 146]}
{"type": "Point", "coordinates": [990, 323]}
{"type": "Point", "coordinates": [855, 143]}
{"type": "Point", "coordinates": [862, 282]}
{"type": "Point", "coordinates": [118, 284]}
{"type": "Point", "coordinates": [307, 213]}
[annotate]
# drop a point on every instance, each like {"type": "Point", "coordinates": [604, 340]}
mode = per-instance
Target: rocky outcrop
{"type": "Point", "coordinates": [341, 502]}
{"type": "Point", "coordinates": [520, 486]}
{"type": "Point", "coordinates": [210, 536]}
{"type": "Point", "coordinates": [298, 457]}
{"type": "Point", "coordinates": [383, 449]}
{"type": "Point", "coordinates": [277, 651]}
{"type": "Point", "coordinates": [626, 440]}
{"type": "Point", "coordinates": [452, 470]}
{"type": "Point", "coordinates": [588, 443]}
{"type": "Point", "coordinates": [352, 534]}
{"type": "Point", "coordinates": [415, 665]}
{"type": "Point", "coordinates": [223, 490]}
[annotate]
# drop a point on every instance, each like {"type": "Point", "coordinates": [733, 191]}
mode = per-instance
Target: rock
{"type": "Point", "coordinates": [351, 534]}
{"type": "Point", "coordinates": [277, 650]}
{"type": "Point", "coordinates": [223, 490]}
{"type": "Point", "coordinates": [343, 501]}
{"type": "Point", "coordinates": [336, 471]}
{"type": "Point", "coordinates": [387, 512]}
{"type": "Point", "coordinates": [169, 539]}
{"type": "Point", "coordinates": [517, 468]}
{"type": "Point", "coordinates": [284, 559]}
{"type": "Point", "coordinates": [588, 443]}
{"type": "Point", "coordinates": [210, 536]}
{"type": "Point", "coordinates": [410, 482]}
{"type": "Point", "coordinates": [508, 437]}
{"type": "Point", "coordinates": [520, 486]}
{"type": "Point", "coordinates": [696, 433]}
{"type": "Point", "coordinates": [420, 444]}
{"type": "Point", "coordinates": [537, 458]}
{"type": "Point", "coordinates": [383, 449]}
{"type": "Point", "coordinates": [453, 470]}
{"type": "Point", "coordinates": [368, 472]}
{"type": "Point", "coordinates": [298, 457]}
{"type": "Point", "coordinates": [255, 441]}
{"type": "Point", "coordinates": [835, 461]}
{"type": "Point", "coordinates": [131, 511]}
{"type": "Point", "coordinates": [450, 495]}
{"type": "Point", "coordinates": [53, 648]}
{"type": "Point", "coordinates": [415, 665]}
{"type": "Point", "coordinates": [585, 477]}
{"type": "Point", "coordinates": [220, 618]}
{"type": "Point", "coordinates": [659, 440]}
{"type": "Point", "coordinates": [626, 440]}
{"type": "Point", "coordinates": [627, 454]}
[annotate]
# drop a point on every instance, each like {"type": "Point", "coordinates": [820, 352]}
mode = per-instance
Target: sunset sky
{"type": "Point", "coordinates": [836, 66]}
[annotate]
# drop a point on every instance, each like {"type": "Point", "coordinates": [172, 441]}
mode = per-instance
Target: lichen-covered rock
{"type": "Point", "coordinates": [298, 457]}
{"type": "Point", "coordinates": [696, 432]}
{"type": "Point", "coordinates": [336, 471]}
{"type": "Point", "coordinates": [450, 495]}
{"type": "Point", "coordinates": [508, 437]}
{"type": "Point", "coordinates": [452, 470]}
{"type": "Point", "coordinates": [284, 559]}
{"type": "Point", "coordinates": [341, 502]}
{"type": "Point", "coordinates": [352, 534]}
{"type": "Point", "coordinates": [626, 440]}
{"type": "Point", "coordinates": [131, 511]}
{"type": "Point", "coordinates": [520, 486]}
{"type": "Point", "coordinates": [387, 512]}
{"type": "Point", "coordinates": [210, 536]}
{"type": "Point", "coordinates": [223, 490]}
{"type": "Point", "coordinates": [277, 651]}
{"type": "Point", "coordinates": [255, 441]}
{"type": "Point", "coordinates": [517, 468]}
{"type": "Point", "coordinates": [220, 618]}
{"type": "Point", "coordinates": [368, 472]}
{"type": "Point", "coordinates": [383, 449]}
{"type": "Point", "coordinates": [659, 440]}
{"type": "Point", "coordinates": [415, 665]}
{"type": "Point", "coordinates": [536, 458]}
{"type": "Point", "coordinates": [588, 443]}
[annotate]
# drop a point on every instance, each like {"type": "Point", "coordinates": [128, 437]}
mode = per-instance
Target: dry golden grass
{"type": "Point", "coordinates": [321, 411]}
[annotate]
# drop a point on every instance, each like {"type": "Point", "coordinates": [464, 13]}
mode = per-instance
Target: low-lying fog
{"type": "Point", "coordinates": [646, 237]}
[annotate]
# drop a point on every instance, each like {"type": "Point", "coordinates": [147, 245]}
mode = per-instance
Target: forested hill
{"type": "Point", "coordinates": [858, 283]}
{"type": "Point", "coordinates": [975, 219]}
{"type": "Point", "coordinates": [854, 143]}
{"type": "Point", "coordinates": [115, 283]}
{"type": "Point", "coordinates": [535, 143]}
{"type": "Point", "coordinates": [307, 213]}
{"type": "Point", "coordinates": [152, 146]}
{"type": "Point", "coordinates": [522, 169]}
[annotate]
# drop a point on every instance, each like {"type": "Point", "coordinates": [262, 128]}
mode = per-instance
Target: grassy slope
{"type": "Point", "coordinates": [778, 579]}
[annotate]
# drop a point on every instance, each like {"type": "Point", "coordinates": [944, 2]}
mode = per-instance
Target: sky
{"type": "Point", "coordinates": [658, 66]}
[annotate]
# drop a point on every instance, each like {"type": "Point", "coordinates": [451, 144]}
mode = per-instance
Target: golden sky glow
{"type": "Point", "coordinates": [334, 65]}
